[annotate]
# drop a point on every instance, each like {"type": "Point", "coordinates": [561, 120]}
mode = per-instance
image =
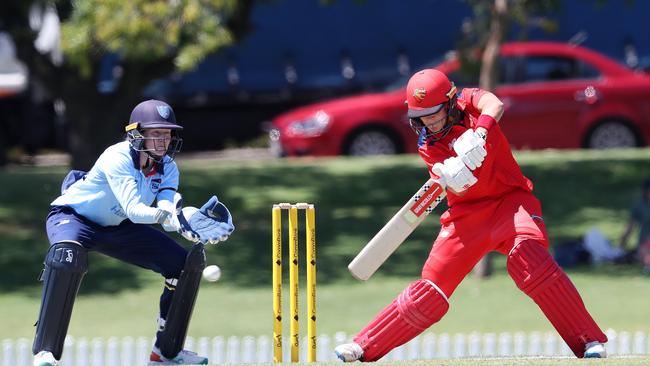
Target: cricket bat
{"type": "Point", "coordinates": [393, 234]}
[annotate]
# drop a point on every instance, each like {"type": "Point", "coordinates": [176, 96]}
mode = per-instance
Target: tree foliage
{"type": "Point", "coordinates": [492, 23]}
{"type": "Point", "coordinates": [150, 38]}
{"type": "Point", "coordinates": [146, 31]}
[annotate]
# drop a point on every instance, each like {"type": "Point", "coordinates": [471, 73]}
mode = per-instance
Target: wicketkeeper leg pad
{"type": "Point", "coordinates": [419, 306]}
{"type": "Point", "coordinates": [536, 273]}
{"type": "Point", "coordinates": [66, 264]}
{"type": "Point", "coordinates": [172, 337]}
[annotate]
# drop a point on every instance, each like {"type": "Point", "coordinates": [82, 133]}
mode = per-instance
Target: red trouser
{"type": "Point", "coordinates": [488, 226]}
{"type": "Point", "coordinates": [513, 226]}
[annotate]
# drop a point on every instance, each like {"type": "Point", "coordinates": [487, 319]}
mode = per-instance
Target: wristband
{"type": "Point", "coordinates": [485, 121]}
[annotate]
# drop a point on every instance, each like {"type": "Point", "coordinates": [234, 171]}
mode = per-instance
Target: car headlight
{"type": "Point", "coordinates": [310, 127]}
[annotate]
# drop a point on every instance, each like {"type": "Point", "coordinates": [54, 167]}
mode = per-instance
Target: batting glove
{"type": "Point", "coordinates": [470, 148]}
{"type": "Point", "coordinates": [454, 174]}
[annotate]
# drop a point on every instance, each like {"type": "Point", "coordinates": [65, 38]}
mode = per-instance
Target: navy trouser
{"type": "Point", "coordinates": [137, 244]}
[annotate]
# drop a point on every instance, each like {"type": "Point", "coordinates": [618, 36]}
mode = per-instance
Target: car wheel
{"type": "Point", "coordinates": [612, 134]}
{"type": "Point", "coordinates": [372, 142]}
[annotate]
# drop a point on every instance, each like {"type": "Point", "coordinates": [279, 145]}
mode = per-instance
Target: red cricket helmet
{"type": "Point", "coordinates": [427, 92]}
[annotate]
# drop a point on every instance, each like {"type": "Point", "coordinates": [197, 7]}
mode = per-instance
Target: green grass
{"type": "Point", "coordinates": [354, 197]}
{"type": "Point", "coordinates": [493, 305]}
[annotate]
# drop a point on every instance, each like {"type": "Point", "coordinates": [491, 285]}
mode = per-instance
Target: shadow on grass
{"type": "Point", "coordinates": [354, 198]}
{"type": "Point", "coordinates": [352, 207]}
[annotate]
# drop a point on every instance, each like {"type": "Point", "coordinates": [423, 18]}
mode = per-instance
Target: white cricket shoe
{"type": "Point", "coordinates": [45, 358]}
{"type": "Point", "coordinates": [182, 358]}
{"type": "Point", "coordinates": [595, 350]}
{"type": "Point", "coordinates": [348, 352]}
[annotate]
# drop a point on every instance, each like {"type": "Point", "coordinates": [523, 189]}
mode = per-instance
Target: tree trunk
{"type": "Point", "coordinates": [97, 120]}
{"type": "Point", "coordinates": [93, 125]}
{"type": "Point", "coordinates": [488, 81]}
{"type": "Point", "coordinates": [489, 69]}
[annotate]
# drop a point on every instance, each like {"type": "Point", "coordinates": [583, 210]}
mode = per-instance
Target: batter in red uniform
{"type": "Point", "coordinates": [491, 208]}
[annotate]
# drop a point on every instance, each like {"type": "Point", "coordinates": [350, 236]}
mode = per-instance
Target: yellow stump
{"type": "Point", "coordinates": [310, 218]}
{"type": "Point", "coordinates": [310, 231]}
{"type": "Point", "coordinates": [277, 284]}
{"type": "Point", "coordinates": [293, 282]}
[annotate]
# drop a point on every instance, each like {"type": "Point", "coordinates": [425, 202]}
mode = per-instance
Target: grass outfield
{"type": "Point", "coordinates": [493, 305]}
{"type": "Point", "coordinates": [354, 198]}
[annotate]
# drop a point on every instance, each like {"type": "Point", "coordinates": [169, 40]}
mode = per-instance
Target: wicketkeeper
{"type": "Point", "coordinates": [491, 208]}
{"type": "Point", "coordinates": [109, 210]}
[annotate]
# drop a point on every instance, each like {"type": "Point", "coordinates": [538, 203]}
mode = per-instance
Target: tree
{"type": "Point", "coordinates": [487, 30]}
{"type": "Point", "coordinates": [150, 39]}
{"type": "Point", "coordinates": [491, 25]}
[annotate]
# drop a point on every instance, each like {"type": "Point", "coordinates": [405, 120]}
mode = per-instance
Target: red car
{"type": "Point", "coordinates": [556, 95]}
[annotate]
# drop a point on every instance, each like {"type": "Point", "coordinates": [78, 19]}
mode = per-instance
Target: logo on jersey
{"type": "Point", "coordinates": [68, 255]}
{"type": "Point", "coordinates": [155, 184]}
{"type": "Point", "coordinates": [164, 111]}
{"type": "Point", "coordinates": [419, 94]}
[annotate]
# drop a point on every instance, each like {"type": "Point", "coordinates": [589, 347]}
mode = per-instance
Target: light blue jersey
{"type": "Point", "coordinates": [116, 189]}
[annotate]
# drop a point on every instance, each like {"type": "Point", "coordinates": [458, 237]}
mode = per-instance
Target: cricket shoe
{"type": "Point", "coordinates": [182, 358]}
{"type": "Point", "coordinates": [45, 358]}
{"type": "Point", "coordinates": [349, 352]}
{"type": "Point", "coordinates": [595, 350]}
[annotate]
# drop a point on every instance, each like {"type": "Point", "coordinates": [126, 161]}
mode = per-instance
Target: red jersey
{"type": "Point", "coordinates": [500, 174]}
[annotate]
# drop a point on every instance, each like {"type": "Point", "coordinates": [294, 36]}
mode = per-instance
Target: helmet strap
{"type": "Point", "coordinates": [151, 158]}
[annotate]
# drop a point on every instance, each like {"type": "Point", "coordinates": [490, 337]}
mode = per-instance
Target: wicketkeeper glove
{"type": "Point", "coordinates": [454, 174]}
{"type": "Point", "coordinates": [470, 148]}
{"type": "Point", "coordinates": [212, 222]}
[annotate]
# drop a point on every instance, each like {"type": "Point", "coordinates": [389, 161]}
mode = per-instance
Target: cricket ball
{"type": "Point", "coordinates": [212, 273]}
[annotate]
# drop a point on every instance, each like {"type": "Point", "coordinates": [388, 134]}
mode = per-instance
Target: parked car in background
{"type": "Point", "coordinates": [556, 95]}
